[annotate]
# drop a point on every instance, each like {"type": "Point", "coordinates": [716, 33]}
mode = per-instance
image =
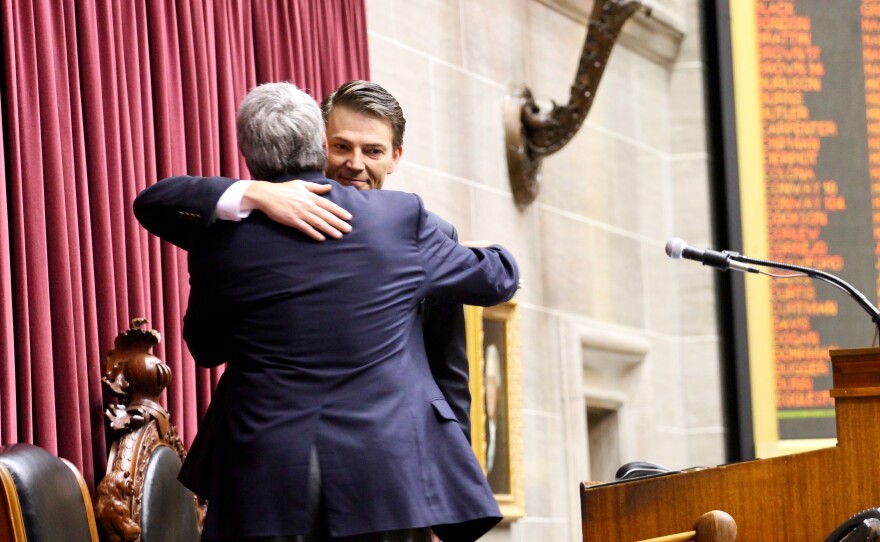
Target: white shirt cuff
{"type": "Point", "coordinates": [229, 204]}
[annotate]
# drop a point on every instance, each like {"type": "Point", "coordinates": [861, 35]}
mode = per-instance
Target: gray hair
{"type": "Point", "coordinates": [280, 130]}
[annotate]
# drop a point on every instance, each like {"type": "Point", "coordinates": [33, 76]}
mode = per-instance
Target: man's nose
{"type": "Point", "coordinates": [356, 160]}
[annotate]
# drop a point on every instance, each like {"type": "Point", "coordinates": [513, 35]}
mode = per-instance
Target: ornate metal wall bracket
{"type": "Point", "coordinates": [532, 135]}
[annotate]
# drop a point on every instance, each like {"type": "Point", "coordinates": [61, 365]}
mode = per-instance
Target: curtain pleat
{"type": "Point", "coordinates": [8, 407]}
{"type": "Point", "coordinates": [99, 100]}
{"type": "Point", "coordinates": [9, 376]}
{"type": "Point", "coordinates": [30, 267]}
{"type": "Point", "coordinates": [82, 275]}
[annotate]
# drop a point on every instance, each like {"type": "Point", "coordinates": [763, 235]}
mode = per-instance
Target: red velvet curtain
{"type": "Point", "coordinates": [98, 100]}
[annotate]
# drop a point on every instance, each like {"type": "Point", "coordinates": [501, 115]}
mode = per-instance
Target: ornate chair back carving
{"type": "Point", "coordinates": [140, 499]}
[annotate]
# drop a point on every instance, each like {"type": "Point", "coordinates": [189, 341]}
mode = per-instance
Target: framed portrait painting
{"type": "Point", "coordinates": [496, 391]}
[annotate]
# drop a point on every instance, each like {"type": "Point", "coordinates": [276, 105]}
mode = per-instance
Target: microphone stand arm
{"type": "Point", "coordinates": [816, 274]}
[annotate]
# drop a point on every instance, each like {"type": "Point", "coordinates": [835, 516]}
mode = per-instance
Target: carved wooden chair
{"type": "Point", "coordinates": [43, 498]}
{"type": "Point", "coordinates": [140, 499]}
{"type": "Point", "coordinates": [714, 526]}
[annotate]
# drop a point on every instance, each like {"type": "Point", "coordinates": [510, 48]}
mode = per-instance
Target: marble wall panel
{"type": "Point", "coordinates": [469, 140]}
{"type": "Point", "coordinates": [495, 39]}
{"type": "Point", "coordinates": [569, 264]}
{"type": "Point", "coordinates": [691, 199]}
{"type": "Point", "coordinates": [687, 109]}
{"type": "Point", "coordinates": [449, 197]}
{"type": "Point", "coordinates": [406, 74]}
{"type": "Point", "coordinates": [429, 26]}
{"type": "Point", "coordinates": [579, 178]}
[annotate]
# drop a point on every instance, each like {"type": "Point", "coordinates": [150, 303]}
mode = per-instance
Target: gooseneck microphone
{"type": "Point", "coordinates": [677, 249]}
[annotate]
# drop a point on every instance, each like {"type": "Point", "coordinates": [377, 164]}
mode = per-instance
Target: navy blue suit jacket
{"type": "Point", "coordinates": [325, 349]}
{"type": "Point", "coordinates": [173, 207]}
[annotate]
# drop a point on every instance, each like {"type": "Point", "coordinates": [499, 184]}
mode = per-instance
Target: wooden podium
{"type": "Point", "coordinates": [797, 497]}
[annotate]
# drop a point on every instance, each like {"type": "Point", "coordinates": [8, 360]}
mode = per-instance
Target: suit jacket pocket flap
{"type": "Point", "coordinates": [443, 410]}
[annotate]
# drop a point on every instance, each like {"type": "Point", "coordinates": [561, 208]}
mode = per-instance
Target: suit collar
{"type": "Point", "coordinates": [312, 176]}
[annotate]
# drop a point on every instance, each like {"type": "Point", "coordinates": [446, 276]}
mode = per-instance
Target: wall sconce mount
{"type": "Point", "coordinates": [530, 134]}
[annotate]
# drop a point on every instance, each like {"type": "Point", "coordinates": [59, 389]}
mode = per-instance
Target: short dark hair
{"type": "Point", "coordinates": [371, 99]}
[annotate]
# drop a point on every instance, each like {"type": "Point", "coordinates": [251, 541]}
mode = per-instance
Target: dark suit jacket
{"type": "Point", "coordinates": [325, 350]}
{"type": "Point", "coordinates": [446, 345]}
{"type": "Point", "coordinates": [174, 207]}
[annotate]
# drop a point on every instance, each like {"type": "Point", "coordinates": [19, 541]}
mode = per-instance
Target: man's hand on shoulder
{"type": "Point", "coordinates": [299, 204]}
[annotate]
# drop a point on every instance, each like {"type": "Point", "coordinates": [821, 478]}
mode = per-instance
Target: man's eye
{"type": "Point", "coordinates": [374, 152]}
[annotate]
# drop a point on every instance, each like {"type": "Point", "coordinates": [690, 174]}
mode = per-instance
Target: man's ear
{"type": "Point", "coordinates": [398, 152]}
{"type": "Point", "coordinates": [326, 145]}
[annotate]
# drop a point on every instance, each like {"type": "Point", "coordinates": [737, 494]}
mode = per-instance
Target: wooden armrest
{"type": "Point", "coordinates": [714, 526]}
{"type": "Point", "coordinates": [687, 536]}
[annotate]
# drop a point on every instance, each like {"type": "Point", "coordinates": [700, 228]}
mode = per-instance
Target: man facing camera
{"type": "Point", "coordinates": [327, 422]}
{"type": "Point", "coordinates": [365, 130]}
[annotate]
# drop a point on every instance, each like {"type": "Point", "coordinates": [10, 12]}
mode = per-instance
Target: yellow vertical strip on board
{"type": "Point", "coordinates": [753, 212]}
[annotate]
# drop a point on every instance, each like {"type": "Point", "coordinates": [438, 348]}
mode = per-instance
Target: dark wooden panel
{"type": "Point", "coordinates": [797, 497]}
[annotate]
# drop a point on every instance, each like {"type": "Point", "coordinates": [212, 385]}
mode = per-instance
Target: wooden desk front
{"type": "Point", "coordinates": [797, 497]}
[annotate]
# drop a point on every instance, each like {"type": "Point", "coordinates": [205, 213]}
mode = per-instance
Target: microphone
{"type": "Point", "coordinates": [677, 248]}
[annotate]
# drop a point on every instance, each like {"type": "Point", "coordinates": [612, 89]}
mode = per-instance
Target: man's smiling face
{"type": "Point", "coordinates": [360, 149]}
